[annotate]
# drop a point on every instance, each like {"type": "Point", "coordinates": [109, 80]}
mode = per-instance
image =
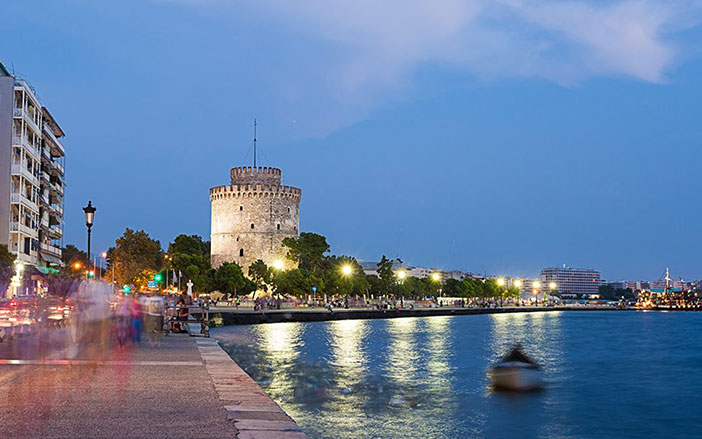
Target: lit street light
{"type": "Point", "coordinates": [401, 275]}
{"type": "Point", "coordinates": [536, 285]}
{"type": "Point", "coordinates": [346, 270]}
{"type": "Point", "coordinates": [552, 287]}
{"type": "Point", "coordinates": [278, 265]}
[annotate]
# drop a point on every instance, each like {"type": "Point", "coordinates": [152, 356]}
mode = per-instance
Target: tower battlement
{"type": "Point", "coordinates": [260, 174]}
{"type": "Point", "coordinates": [254, 190]}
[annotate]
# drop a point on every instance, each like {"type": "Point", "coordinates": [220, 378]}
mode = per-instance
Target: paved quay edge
{"type": "Point", "coordinates": [254, 414]}
{"type": "Point", "coordinates": [226, 317]}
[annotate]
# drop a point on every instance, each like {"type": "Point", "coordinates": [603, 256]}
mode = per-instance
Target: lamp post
{"type": "Point", "coordinates": [501, 284]}
{"type": "Point", "coordinates": [346, 270]}
{"type": "Point", "coordinates": [518, 283]}
{"type": "Point", "coordinates": [536, 285]}
{"type": "Point", "coordinates": [89, 216]}
{"type": "Point", "coordinates": [436, 277]}
{"type": "Point", "coordinates": [401, 275]}
{"type": "Point", "coordinates": [551, 286]}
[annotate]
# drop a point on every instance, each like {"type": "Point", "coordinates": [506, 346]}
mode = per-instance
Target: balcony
{"type": "Point", "coordinates": [59, 167]}
{"type": "Point", "coordinates": [23, 141]}
{"type": "Point", "coordinates": [20, 112]}
{"type": "Point", "coordinates": [57, 209]}
{"type": "Point", "coordinates": [50, 249]}
{"type": "Point", "coordinates": [23, 171]}
{"type": "Point", "coordinates": [56, 143]}
{"type": "Point", "coordinates": [21, 199]}
{"type": "Point", "coordinates": [56, 232]}
{"type": "Point", "coordinates": [22, 228]}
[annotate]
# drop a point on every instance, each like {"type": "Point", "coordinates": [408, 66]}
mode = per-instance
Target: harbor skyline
{"type": "Point", "coordinates": [505, 171]}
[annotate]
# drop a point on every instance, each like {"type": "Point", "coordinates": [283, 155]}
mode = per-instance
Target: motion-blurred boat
{"type": "Point", "coordinates": [516, 372]}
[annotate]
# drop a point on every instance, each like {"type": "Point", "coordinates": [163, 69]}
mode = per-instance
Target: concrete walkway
{"type": "Point", "coordinates": [183, 388]}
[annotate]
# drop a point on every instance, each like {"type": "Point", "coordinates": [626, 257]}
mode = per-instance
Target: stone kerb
{"type": "Point", "coordinates": [254, 414]}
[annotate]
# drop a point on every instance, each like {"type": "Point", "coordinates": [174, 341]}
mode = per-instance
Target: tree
{"type": "Point", "coordinates": [308, 250]}
{"type": "Point", "coordinates": [189, 255]}
{"type": "Point", "coordinates": [386, 275]}
{"type": "Point", "coordinates": [70, 255]}
{"type": "Point", "coordinates": [454, 288]}
{"type": "Point", "coordinates": [6, 267]}
{"type": "Point", "coordinates": [260, 274]}
{"type": "Point", "coordinates": [229, 279]}
{"type": "Point", "coordinates": [134, 256]}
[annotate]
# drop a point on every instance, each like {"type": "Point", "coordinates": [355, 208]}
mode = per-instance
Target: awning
{"type": "Point", "coordinates": [51, 259]}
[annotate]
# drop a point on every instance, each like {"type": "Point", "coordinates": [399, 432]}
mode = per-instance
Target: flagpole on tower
{"type": "Point", "coordinates": [254, 143]}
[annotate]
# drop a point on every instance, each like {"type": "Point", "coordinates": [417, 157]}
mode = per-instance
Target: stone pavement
{"type": "Point", "coordinates": [184, 387]}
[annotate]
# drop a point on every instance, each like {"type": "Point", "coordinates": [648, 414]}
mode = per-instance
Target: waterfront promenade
{"type": "Point", "coordinates": [185, 387]}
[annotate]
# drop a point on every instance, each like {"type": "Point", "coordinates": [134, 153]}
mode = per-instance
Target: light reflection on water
{"type": "Point", "coordinates": [426, 377]}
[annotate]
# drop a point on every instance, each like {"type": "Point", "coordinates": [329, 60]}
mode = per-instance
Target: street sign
{"type": "Point", "coordinates": [314, 289]}
{"type": "Point", "coordinates": [152, 284]}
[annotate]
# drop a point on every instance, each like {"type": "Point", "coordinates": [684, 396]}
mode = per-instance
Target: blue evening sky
{"type": "Point", "coordinates": [487, 136]}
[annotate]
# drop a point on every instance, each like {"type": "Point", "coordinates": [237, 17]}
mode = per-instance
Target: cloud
{"type": "Point", "coordinates": [371, 49]}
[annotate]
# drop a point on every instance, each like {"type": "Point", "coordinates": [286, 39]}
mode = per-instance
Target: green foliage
{"type": "Point", "coordinates": [6, 267]}
{"type": "Point", "coordinates": [386, 275]}
{"type": "Point", "coordinates": [134, 257]}
{"type": "Point", "coordinates": [608, 292]}
{"type": "Point", "coordinates": [190, 255]}
{"type": "Point", "coordinates": [308, 251]}
{"type": "Point", "coordinates": [229, 279]}
{"type": "Point", "coordinates": [261, 275]}
{"type": "Point", "coordinates": [70, 255]}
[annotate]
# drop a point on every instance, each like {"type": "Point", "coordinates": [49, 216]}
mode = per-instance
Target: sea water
{"type": "Point", "coordinates": [608, 374]}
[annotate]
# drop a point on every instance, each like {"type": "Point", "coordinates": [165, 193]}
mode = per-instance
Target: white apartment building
{"type": "Point", "coordinates": [32, 176]}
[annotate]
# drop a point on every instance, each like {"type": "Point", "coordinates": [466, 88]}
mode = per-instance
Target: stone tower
{"type": "Point", "coordinates": [251, 217]}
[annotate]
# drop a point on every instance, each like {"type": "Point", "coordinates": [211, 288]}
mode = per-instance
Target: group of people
{"type": "Point", "coordinates": [152, 315]}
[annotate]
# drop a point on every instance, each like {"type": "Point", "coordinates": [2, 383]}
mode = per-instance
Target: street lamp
{"type": "Point", "coordinates": [536, 285]}
{"type": "Point", "coordinates": [436, 277]}
{"type": "Point", "coordinates": [552, 287]}
{"type": "Point", "coordinates": [401, 275]}
{"type": "Point", "coordinates": [346, 270]}
{"type": "Point", "coordinates": [89, 216]}
{"type": "Point", "coordinates": [501, 284]}
{"type": "Point", "coordinates": [16, 281]}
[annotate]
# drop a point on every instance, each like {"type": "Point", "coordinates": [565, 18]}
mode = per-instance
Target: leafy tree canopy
{"type": "Point", "coordinates": [308, 250]}
{"type": "Point", "coordinates": [134, 255]}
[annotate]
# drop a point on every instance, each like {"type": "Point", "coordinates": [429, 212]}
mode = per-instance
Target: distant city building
{"type": "Point", "coordinates": [32, 180]}
{"type": "Point", "coordinates": [252, 216]}
{"type": "Point", "coordinates": [572, 280]}
{"type": "Point", "coordinates": [636, 285]}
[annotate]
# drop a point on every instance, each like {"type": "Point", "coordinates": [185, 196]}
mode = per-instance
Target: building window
{"type": "Point", "coordinates": [241, 207]}
{"type": "Point", "coordinates": [252, 226]}
{"type": "Point", "coordinates": [237, 239]}
{"type": "Point", "coordinates": [278, 226]}
{"type": "Point", "coordinates": [241, 252]}
{"type": "Point", "coordinates": [288, 210]}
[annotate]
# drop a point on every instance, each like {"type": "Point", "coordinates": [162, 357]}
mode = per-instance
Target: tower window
{"type": "Point", "coordinates": [252, 225]}
{"type": "Point", "coordinates": [241, 207]}
{"type": "Point", "coordinates": [288, 210]}
{"type": "Point", "coordinates": [278, 226]}
{"type": "Point", "coordinates": [241, 252]}
{"type": "Point", "coordinates": [237, 239]}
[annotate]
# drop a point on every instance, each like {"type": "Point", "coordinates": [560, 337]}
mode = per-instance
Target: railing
{"type": "Point", "coordinates": [22, 170]}
{"type": "Point", "coordinates": [59, 166]}
{"type": "Point", "coordinates": [56, 230]}
{"type": "Point", "coordinates": [19, 227]}
{"type": "Point", "coordinates": [20, 198]}
{"type": "Point", "coordinates": [53, 138]}
{"type": "Point", "coordinates": [57, 208]}
{"type": "Point", "coordinates": [24, 141]}
{"type": "Point", "coordinates": [48, 248]}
